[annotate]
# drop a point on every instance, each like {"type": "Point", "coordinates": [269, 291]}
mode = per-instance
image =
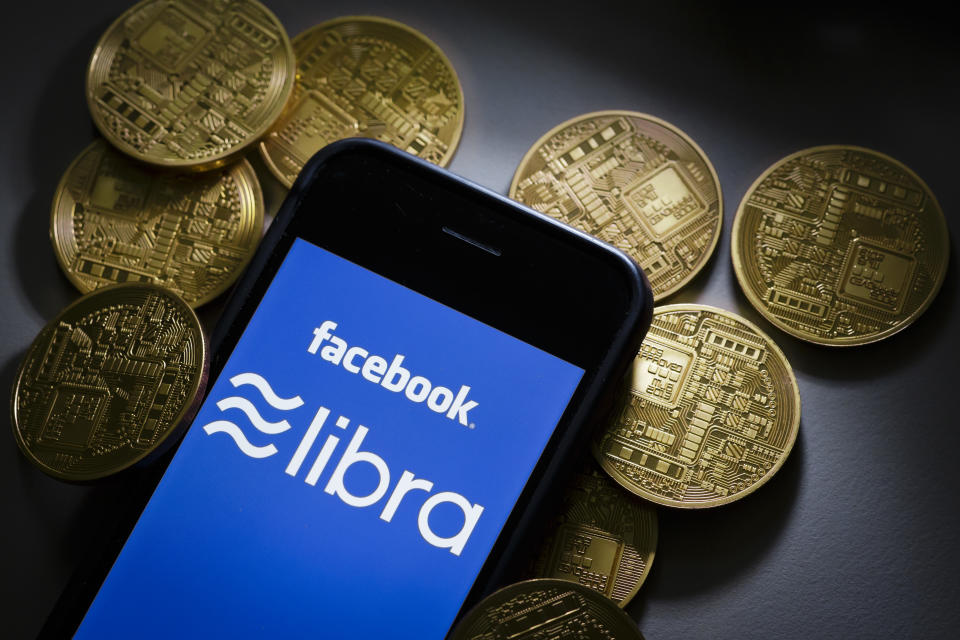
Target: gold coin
{"type": "Point", "coordinates": [536, 609]}
{"type": "Point", "coordinates": [106, 383]}
{"type": "Point", "coordinates": [360, 76]}
{"type": "Point", "coordinates": [190, 83]}
{"type": "Point", "coordinates": [116, 220]}
{"type": "Point", "coordinates": [604, 539]}
{"type": "Point", "coordinates": [711, 414]}
{"type": "Point", "coordinates": [840, 245]}
{"type": "Point", "coordinates": [634, 181]}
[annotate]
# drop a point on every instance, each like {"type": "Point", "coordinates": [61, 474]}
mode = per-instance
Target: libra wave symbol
{"type": "Point", "coordinates": [352, 455]}
{"type": "Point", "coordinates": [236, 402]}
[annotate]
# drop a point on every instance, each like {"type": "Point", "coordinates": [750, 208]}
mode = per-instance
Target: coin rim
{"type": "Point", "coordinates": [670, 127]}
{"type": "Point", "coordinates": [205, 164]}
{"type": "Point", "coordinates": [252, 186]}
{"type": "Point", "coordinates": [545, 583]}
{"type": "Point", "coordinates": [184, 416]}
{"type": "Point", "coordinates": [794, 427]}
{"type": "Point", "coordinates": [653, 552]}
{"type": "Point", "coordinates": [755, 300]}
{"type": "Point", "coordinates": [455, 141]}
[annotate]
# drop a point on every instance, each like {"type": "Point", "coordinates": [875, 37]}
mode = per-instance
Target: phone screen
{"type": "Point", "coordinates": [347, 475]}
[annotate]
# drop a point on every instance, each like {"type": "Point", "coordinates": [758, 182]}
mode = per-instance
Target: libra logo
{"type": "Point", "coordinates": [351, 455]}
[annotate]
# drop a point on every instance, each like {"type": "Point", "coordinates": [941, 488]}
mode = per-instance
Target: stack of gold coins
{"type": "Point", "coordinates": [161, 215]}
{"type": "Point", "coordinates": [166, 202]}
{"type": "Point", "coordinates": [711, 408]}
{"type": "Point", "coordinates": [175, 88]}
{"type": "Point", "coordinates": [833, 245]}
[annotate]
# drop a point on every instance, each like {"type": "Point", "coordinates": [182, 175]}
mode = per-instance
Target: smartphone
{"type": "Point", "coordinates": [402, 379]}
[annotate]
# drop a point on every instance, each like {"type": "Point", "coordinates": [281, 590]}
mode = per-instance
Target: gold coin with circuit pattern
{"type": "Point", "coordinates": [634, 181]}
{"type": "Point", "coordinates": [362, 76]}
{"type": "Point", "coordinates": [106, 383]}
{"type": "Point", "coordinates": [545, 608]}
{"type": "Point", "coordinates": [711, 414]}
{"type": "Point", "coordinates": [117, 220]}
{"type": "Point", "coordinates": [840, 245]}
{"type": "Point", "coordinates": [604, 539]}
{"type": "Point", "coordinates": [190, 83]}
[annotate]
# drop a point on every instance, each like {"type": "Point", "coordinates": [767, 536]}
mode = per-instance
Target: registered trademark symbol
{"type": "Point", "coordinates": [471, 425]}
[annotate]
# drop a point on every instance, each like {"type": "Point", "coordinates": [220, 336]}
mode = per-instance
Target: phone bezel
{"type": "Point", "coordinates": [525, 274]}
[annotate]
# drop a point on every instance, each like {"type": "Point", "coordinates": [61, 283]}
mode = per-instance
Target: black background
{"type": "Point", "coordinates": [857, 535]}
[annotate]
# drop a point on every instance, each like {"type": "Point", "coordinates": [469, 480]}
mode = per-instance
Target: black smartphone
{"type": "Point", "coordinates": [400, 382]}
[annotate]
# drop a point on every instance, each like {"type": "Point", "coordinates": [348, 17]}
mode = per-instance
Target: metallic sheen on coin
{"type": "Point", "coordinates": [536, 609]}
{"type": "Point", "coordinates": [107, 382]}
{"type": "Point", "coordinates": [116, 220]}
{"type": "Point", "coordinates": [361, 76]}
{"type": "Point", "coordinates": [711, 414]}
{"type": "Point", "coordinates": [605, 538]}
{"type": "Point", "coordinates": [634, 181]}
{"type": "Point", "coordinates": [190, 83]}
{"type": "Point", "coordinates": [840, 245]}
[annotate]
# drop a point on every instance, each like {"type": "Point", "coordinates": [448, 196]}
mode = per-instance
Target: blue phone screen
{"type": "Point", "coordinates": [348, 473]}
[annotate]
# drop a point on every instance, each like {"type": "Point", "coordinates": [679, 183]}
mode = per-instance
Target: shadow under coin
{"type": "Point", "coordinates": [60, 526]}
{"type": "Point", "coordinates": [700, 550]}
{"type": "Point", "coordinates": [61, 126]}
{"type": "Point", "coordinates": [43, 283]}
{"type": "Point", "coordinates": [51, 501]}
{"type": "Point", "coordinates": [54, 525]}
{"type": "Point", "coordinates": [60, 129]}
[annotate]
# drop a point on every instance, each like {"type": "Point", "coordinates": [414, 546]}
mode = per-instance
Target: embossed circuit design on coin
{"type": "Point", "coordinates": [712, 412]}
{"type": "Point", "coordinates": [840, 245]}
{"type": "Point", "coordinates": [115, 220]}
{"type": "Point", "coordinates": [541, 609]}
{"type": "Point", "coordinates": [190, 83]}
{"type": "Point", "coordinates": [634, 181]}
{"type": "Point", "coordinates": [107, 381]}
{"type": "Point", "coordinates": [361, 76]}
{"type": "Point", "coordinates": [605, 538]}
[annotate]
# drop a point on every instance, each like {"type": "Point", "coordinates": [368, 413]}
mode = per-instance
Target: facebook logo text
{"type": "Point", "coordinates": [393, 377]}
